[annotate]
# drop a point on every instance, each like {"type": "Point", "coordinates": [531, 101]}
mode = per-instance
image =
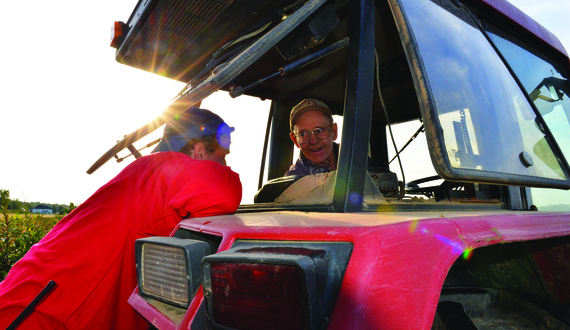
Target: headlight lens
{"type": "Point", "coordinates": [168, 268]}
{"type": "Point", "coordinates": [164, 272]}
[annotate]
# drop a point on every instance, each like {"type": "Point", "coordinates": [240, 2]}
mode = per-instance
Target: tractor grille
{"type": "Point", "coordinates": [170, 29]}
{"type": "Point", "coordinates": [182, 22]}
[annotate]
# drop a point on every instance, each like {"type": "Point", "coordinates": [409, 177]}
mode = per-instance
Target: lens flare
{"type": "Point", "coordinates": [413, 226]}
{"type": "Point", "coordinates": [467, 254]}
{"type": "Point", "coordinates": [457, 248]}
{"type": "Point", "coordinates": [355, 198]}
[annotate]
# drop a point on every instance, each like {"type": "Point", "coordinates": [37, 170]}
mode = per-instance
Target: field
{"type": "Point", "coordinates": [20, 215]}
{"type": "Point", "coordinates": [18, 232]}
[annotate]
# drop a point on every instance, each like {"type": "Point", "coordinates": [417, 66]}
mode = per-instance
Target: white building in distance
{"type": "Point", "coordinates": [42, 209]}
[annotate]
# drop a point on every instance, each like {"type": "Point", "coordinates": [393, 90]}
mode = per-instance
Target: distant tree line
{"type": "Point", "coordinates": [19, 207]}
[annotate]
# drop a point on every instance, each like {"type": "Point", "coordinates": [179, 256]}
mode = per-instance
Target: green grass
{"type": "Point", "coordinates": [18, 232]}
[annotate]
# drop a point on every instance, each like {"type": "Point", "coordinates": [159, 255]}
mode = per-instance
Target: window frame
{"type": "Point", "coordinates": [434, 131]}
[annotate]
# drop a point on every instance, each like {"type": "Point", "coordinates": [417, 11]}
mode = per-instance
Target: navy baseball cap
{"type": "Point", "coordinates": [192, 124]}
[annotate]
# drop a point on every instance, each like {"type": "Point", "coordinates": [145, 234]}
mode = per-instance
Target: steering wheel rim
{"type": "Point", "coordinates": [438, 192]}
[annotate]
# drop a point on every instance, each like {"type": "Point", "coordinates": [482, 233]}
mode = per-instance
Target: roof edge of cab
{"type": "Point", "coordinates": [518, 16]}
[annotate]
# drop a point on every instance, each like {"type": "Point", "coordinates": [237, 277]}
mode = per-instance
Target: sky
{"type": "Point", "coordinates": [65, 100]}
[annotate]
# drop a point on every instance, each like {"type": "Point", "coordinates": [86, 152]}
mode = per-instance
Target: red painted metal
{"type": "Point", "coordinates": [157, 319]}
{"type": "Point", "coordinates": [160, 320]}
{"type": "Point", "coordinates": [399, 260]}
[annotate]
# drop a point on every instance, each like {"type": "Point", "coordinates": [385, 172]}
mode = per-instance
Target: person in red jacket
{"type": "Point", "coordinates": [90, 253]}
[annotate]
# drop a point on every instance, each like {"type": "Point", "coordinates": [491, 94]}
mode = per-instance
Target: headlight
{"type": "Point", "coordinates": [168, 268]}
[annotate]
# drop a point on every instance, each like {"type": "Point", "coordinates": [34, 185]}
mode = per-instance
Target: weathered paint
{"type": "Point", "coordinates": [150, 313]}
{"type": "Point", "coordinates": [399, 261]}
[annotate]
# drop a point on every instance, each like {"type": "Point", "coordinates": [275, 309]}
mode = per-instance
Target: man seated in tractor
{"type": "Point", "coordinates": [314, 131]}
{"type": "Point", "coordinates": [90, 254]}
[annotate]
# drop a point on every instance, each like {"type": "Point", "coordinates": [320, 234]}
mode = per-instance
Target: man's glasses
{"type": "Point", "coordinates": [320, 132]}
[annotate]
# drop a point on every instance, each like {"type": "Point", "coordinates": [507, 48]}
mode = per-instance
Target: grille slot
{"type": "Point", "coordinates": [164, 272]}
{"type": "Point", "coordinates": [172, 27]}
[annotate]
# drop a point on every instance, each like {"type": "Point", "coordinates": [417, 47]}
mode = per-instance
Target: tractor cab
{"type": "Point", "coordinates": [485, 93]}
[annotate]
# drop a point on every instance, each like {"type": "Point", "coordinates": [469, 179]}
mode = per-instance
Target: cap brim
{"type": "Point", "coordinates": [172, 144]}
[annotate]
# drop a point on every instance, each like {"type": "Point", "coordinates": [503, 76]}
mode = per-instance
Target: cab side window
{"type": "Point", "coordinates": [546, 83]}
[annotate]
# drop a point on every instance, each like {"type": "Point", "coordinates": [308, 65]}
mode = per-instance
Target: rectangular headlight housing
{"type": "Point", "coordinates": [168, 268]}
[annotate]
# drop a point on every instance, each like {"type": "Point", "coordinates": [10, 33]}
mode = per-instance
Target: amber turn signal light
{"type": "Point", "coordinates": [118, 33]}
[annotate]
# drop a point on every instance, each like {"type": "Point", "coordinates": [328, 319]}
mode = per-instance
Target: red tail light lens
{"type": "Point", "coordinates": [273, 284]}
{"type": "Point", "coordinates": [257, 296]}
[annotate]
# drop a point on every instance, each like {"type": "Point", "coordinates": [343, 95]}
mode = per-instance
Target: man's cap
{"type": "Point", "coordinates": [305, 106]}
{"type": "Point", "coordinates": [192, 124]}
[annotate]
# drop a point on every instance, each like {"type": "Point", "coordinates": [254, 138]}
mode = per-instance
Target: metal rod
{"type": "Point", "coordinates": [421, 129]}
{"type": "Point", "coordinates": [31, 306]}
{"type": "Point", "coordinates": [134, 151]}
{"type": "Point", "coordinates": [315, 56]}
{"type": "Point", "coordinates": [238, 91]}
{"type": "Point", "coordinates": [150, 144]}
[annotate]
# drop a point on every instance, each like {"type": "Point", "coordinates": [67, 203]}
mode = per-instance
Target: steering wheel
{"type": "Point", "coordinates": [438, 192]}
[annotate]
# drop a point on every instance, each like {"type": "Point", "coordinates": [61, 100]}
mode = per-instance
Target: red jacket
{"type": "Point", "coordinates": [90, 252]}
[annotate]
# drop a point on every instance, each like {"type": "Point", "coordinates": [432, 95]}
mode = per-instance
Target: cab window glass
{"type": "Point", "coordinates": [415, 158]}
{"type": "Point", "coordinates": [544, 80]}
{"type": "Point", "coordinates": [485, 120]}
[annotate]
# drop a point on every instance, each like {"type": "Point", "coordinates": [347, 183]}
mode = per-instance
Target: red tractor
{"type": "Point", "coordinates": [486, 245]}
